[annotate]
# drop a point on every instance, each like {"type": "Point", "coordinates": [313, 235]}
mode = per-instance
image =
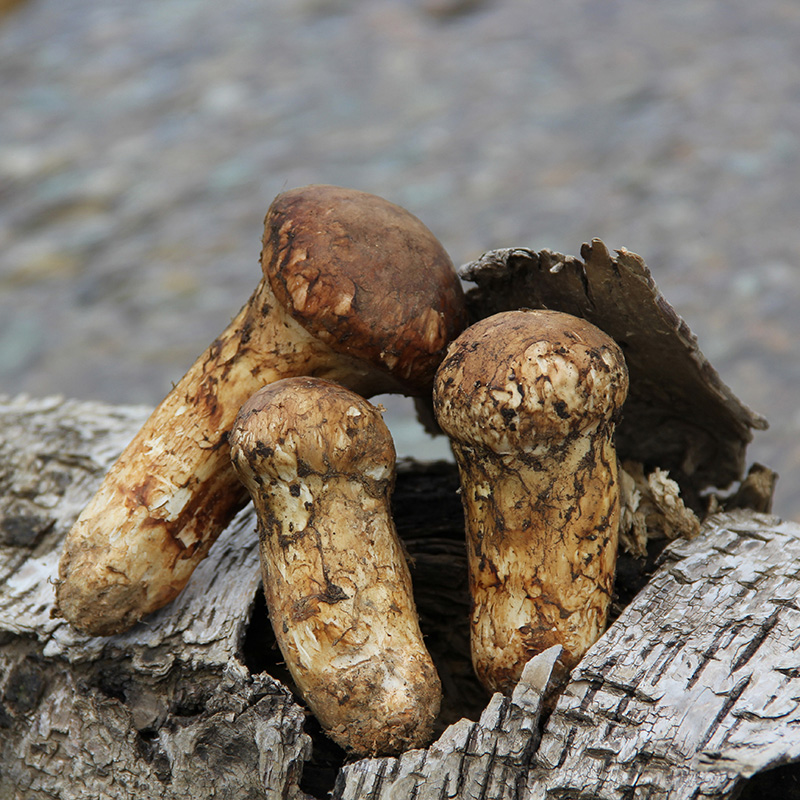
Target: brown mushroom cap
{"type": "Point", "coordinates": [312, 425]}
{"type": "Point", "coordinates": [518, 377]}
{"type": "Point", "coordinates": [366, 277]}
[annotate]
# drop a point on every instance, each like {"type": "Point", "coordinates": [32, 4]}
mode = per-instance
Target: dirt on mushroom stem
{"type": "Point", "coordinates": [563, 526]}
{"type": "Point", "coordinates": [529, 400]}
{"type": "Point", "coordinates": [318, 462]}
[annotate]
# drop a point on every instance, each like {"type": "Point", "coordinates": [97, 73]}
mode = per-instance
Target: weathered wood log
{"type": "Point", "coordinates": [690, 693]}
{"type": "Point", "coordinates": [164, 711]}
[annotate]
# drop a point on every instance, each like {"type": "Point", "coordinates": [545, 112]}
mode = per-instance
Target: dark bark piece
{"type": "Point", "coordinates": [679, 415]}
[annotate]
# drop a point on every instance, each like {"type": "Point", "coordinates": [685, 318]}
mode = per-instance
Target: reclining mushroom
{"type": "Point", "coordinates": [319, 464]}
{"type": "Point", "coordinates": [529, 400]}
{"type": "Point", "coordinates": [355, 289]}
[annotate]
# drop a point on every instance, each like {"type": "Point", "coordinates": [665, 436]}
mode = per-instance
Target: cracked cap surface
{"type": "Point", "coordinates": [519, 376]}
{"type": "Point", "coordinates": [366, 277]}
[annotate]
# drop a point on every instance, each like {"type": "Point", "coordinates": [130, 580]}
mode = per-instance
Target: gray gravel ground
{"type": "Point", "coordinates": [141, 143]}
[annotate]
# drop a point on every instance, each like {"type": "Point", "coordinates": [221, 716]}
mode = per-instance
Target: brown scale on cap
{"type": "Point", "coordinates": [319, 464]}
{"type": "Point", "coordinates": [355, 289]}
{"type": "Point", "coordinates": [529, 400]}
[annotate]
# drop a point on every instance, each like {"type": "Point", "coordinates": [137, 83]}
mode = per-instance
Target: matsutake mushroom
{"type": "Point", "coordinates": [355, 289]}
{"type": "Point", "coordinates": [319, 463]}
{"type": "Point", "coordinates": [529, 400]}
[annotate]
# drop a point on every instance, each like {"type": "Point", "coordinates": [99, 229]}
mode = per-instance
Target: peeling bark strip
{"type": "Point", "coordinates": [679, 415]}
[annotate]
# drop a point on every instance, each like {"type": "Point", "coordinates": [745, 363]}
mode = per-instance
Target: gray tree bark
{"type": "Point", "coordinates": [167, 710]}
{"type": "Point", "coordinates": [690, 693]}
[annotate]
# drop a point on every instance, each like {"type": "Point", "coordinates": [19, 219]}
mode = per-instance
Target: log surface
{"type": "Point", "coordinates": [166, 710]}
{"type": "Point", "coordinates": [691, 693]}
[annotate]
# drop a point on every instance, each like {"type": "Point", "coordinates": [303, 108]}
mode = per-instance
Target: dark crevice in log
{"type": "Point", "coordinates": [633, 573]}
{"type": "Point", "coordinates": [260, 651]}
{"type": "Point", "coordinates": [780, 783]}
{"type": "Point", "coordinates": [261, 654]}
{"type": "Point", "coordinates": [430, 522]}
{"type": "Point", "coordinates": [323, 766]}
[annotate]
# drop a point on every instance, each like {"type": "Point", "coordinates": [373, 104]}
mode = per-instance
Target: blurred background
{"type": "Point", "coordinates": [141, 144]}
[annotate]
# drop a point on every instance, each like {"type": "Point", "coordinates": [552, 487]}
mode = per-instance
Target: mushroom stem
{"type": "Point", "coordinates": [355, 289]}
{"type": "Point", "coordinates": [529, 400]}
{"type": "Point", "coordinates": [319, 464]}
{"type": "Point", "coordinates": [164, 502]}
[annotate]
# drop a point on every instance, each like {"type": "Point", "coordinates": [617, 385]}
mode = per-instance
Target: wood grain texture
{"type": "Point", "coordinates": [691, 692]}
{"type": "Point", "coordinates": [695, 688]}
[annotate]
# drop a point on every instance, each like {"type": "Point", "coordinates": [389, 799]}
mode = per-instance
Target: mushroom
{"type": "Point", "coordinates": [529, 400]}
{"type": "Point", "coordinates": [319, 463]}
{"type": "Point", "coordinates": [355, 289]}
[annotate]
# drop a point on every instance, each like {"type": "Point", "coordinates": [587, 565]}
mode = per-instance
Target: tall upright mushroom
{"type": "Point", "coordinates": [319, 464]}
{"type": "Point", "coordinates": [529, 400]}
{"type": "Point", "coordinates": [355, 289]}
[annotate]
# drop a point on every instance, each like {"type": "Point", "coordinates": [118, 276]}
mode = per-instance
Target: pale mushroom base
{"type": "Point", "coordinates": [537, 578]}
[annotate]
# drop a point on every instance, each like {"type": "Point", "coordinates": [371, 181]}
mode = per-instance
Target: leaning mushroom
{"type": "Point", "coordinates": [319, 464]}
{"type": "Point", "coordinates": [529, 400]}
{"type": "Point", "coordinates": [355, 289]}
